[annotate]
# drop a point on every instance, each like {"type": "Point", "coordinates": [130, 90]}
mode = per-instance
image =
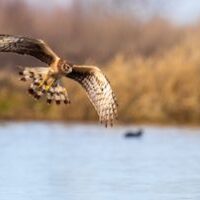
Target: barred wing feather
{"type": "Point", "coordinates": [98, 90]}
{"type": "Point", "coordinates": [27, 46]}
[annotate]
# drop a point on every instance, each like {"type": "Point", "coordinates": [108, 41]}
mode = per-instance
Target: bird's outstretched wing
{"type": "Point", "coordinates": [28, 46]}
{"type": "Point", "coordinates": [98, 90]}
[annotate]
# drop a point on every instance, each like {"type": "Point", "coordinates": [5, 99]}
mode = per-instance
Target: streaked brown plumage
{"type": "Point", "coordinates": [45, 81]}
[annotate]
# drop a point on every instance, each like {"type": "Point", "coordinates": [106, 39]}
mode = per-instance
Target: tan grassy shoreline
{"type": "Point", "coordinates": [161, 90]}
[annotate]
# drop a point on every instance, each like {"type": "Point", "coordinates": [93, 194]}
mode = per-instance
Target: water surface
{"type": "Point", "coordinates": [52, 161]}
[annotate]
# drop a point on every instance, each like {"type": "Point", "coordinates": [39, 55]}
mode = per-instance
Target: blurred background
{"type": "Point", "coordinates": [149, 50]}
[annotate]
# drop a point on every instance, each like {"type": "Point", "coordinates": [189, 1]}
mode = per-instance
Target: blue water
{"type": "Point", "coordinates": [49, 161]}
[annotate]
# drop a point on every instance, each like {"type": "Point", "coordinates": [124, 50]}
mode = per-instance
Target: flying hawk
{"type": "Point", "coordinates": [46, 81]}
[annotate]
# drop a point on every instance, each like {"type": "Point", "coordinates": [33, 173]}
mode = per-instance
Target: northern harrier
{"type": "Point", "coordinates": [46, 81]}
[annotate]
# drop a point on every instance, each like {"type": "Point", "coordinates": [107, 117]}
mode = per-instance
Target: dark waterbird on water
{"type": "Point", "coordinates": [132, 134]}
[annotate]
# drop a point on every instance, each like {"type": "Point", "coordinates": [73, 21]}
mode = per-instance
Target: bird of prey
{"type": "Point", "coordinates": [46, 81]}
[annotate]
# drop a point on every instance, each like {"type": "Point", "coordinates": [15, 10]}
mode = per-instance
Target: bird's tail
{"type": "Point", "coordinates": [39, 86]}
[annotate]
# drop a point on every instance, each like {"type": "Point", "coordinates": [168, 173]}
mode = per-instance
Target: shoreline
{"type": "Point", "coordinates": [96, 123]}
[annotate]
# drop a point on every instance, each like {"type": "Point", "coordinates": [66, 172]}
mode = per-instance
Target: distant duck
{"type": "Point", "coordinates": [137, 133]}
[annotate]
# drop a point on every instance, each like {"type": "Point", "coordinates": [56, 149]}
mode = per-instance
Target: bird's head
{"type": "Point", "coordinates": [66, 67]}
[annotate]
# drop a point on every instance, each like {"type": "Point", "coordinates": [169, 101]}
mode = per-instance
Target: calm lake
{"type": "Point", "coordinates": [52, 161]}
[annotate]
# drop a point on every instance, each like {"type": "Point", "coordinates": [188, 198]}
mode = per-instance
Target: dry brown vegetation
{"type": "Point", "coordinates": [154, 67]}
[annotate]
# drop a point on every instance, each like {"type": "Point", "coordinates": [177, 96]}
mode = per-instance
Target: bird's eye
{"type": "Point", "coordinates": [65, 68]}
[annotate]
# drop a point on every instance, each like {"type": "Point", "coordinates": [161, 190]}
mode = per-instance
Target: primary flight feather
{"type": "Point", "coordinates": [46, 80]}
